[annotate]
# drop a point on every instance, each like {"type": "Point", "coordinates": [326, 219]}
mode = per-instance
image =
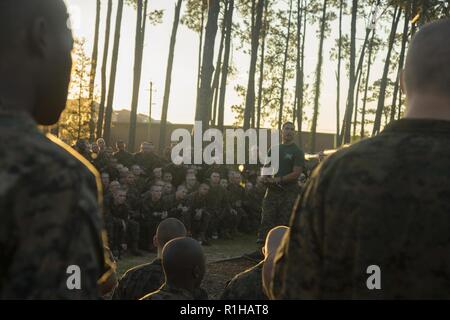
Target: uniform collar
{"type": "Point", "coordinates": [418, 126]}
{"type": "Point", "coordinates": [178, 291]}
{"type": "Point", "coordinates": [18, 119]}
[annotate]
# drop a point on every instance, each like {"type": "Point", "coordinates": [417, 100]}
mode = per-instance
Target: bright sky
{"type": "Point", "coordinates": [184, 77]}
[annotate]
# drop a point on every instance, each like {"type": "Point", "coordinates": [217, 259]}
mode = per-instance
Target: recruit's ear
{"type": "Point", "coordinates": [38, 37]}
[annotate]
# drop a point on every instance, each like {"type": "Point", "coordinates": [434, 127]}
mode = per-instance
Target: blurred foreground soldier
{"type": "Point", "coordinates": [391, 239]}
{"type": "Point", "coordinates": [146, 278]}
{"type": "Point", "coordinates": [50, 219]}
{"type": "Point", "coordinates": [184, 267]}
{"type": "Point", "coordinates": [281, 188]}
{"type": "Point", "coordinates": [248, 285]}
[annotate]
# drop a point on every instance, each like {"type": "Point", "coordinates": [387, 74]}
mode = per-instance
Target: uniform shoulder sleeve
{"type": "Point", "coordinates": [59, 239]}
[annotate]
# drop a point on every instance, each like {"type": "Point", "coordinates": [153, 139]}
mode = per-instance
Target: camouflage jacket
{"type": "Point", "coordinates": [246, 285]}
{"type": "Point", "coordinates": [50, 221]}
{"type": "Point", "coordinates": [124, 157]}
{"type": "Point", "coordinates": [217, 198]}
{"type": "Point", "coordinates": [139, 281]}
{"type": "Point", "coordinates": [167, 292]}
{"type": "Point", "coordinates": [236, 195]}
{"type": "Point", "coordinates": [173, 205]}
{"type": "Point", "coordinates": [382, 203]}
{"type": "Point", "coordinates": [149, 207]}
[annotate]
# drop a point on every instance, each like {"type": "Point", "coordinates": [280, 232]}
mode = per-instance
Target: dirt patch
{"type": "Point", "coordinates": [219, 273]}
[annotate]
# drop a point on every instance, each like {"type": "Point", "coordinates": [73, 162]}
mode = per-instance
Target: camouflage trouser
{"type": "Point", "coordinates": [199, 227]}
{"type": "Point", "coordinates": [132, 233]}
{"type": "Point", "coordinates": [216, 216]}
{"type": "Point", "coordinates": [148, 229]}
{"type": "Point", "coordinates": [276, 210]}
{"type": "Point", "coordinates": [115, 230]}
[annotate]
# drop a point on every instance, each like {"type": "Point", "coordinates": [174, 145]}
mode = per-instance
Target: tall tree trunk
{"type": "Point", "coordinates": [136, 76]}
{"type": "Point", "coordinates": [283, 76]}
{"type": "Point", "coordinates": [302, 79]}
{"type": "Point", "coordinates": [93, 73]}
{"type": "Point", "coordinates": [101, 109]}
{"type": "Point", "coordinates": [202, 25]}
{"type": "Point", "coordinates": [205, 97]}
{"type": "Point", "coordinates": [338, 75]}
{"type": "Point", "coordinates": [383, 85]}
{"type": "Point", "coordinates": [298, 63]}
{"type": "Point", "coordinates": [400, 65]}
{"type": "Point", "coordinates": [165, 106]}
{"type": "Point", "coordinates": [369, 65]}
{"type": "Point", "coordinates": [250, 97]}
{"type": "Point", "coordinates": [225, 64]}
{"type": "Point", "coordinates": [217, 70]}
{"type": "Point", "coordinates": [265, 27]}
{"type": "Point", "coordinates": [112, 80]}
{"type": "Point", "coordinates": [358, 89]}
{"type": "Point", "coordinates": [346, 128]}
{"type": "Point", "coordinates": [318, 77]}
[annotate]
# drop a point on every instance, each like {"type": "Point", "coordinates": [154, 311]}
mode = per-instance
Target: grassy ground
{"type": "Point", "coordinates": [218, 273]}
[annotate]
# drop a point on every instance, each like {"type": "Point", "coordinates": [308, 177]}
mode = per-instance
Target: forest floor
{"type": "Point", "coordinates": [224, 260]}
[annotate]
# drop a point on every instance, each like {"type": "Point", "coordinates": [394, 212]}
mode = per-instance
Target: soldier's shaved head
{"type": "Point", "coordinates": [273, 239]}
{"type": "Point", "coordinates": [35, 57]}
{"type": "Point", "coordinates": [184, 263]}
{"type": "Point", "coordinates": [427, 67]}
{"type": "Point", "coordinates": [169, 229]}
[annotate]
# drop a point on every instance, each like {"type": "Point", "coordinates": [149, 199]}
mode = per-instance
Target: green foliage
{"type": "Point", "coordinates": [74, 121]}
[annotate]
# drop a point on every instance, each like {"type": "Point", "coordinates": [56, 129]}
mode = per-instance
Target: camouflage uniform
{"type": "Point", "coordinates": [252, 206]}
{"type": "Point", "coordinates": [246, 285]}
{"type": "Point", "coordinates": [167, 292]}
{"type": "Point", "coordinates": [174, 209]}
{"type": "Point", "coordinates": [178, 173]}
{"type": "Point", "coordinates": [383, 201]}
{"type": "Point", "coordinates": [279, 198]}
{"type": "Point", "coordinates": [150, 217]}
{"type": "Point", "coordinates": [191, 189]}
{"type": "Point", "coordinates": [236, 198]}
{"type": "Point", "coordinates": [147, 161]}
{"type": "Point", "coordinates": [139, 281]}
{"type": "Point", "coordinates": [218, 206]}
{"type": "Point", "coordinates": [124, 157]}
{"type": "Point", "coordinates": [123, 215]}
{"type": "Point", "coordinates": [50, 204]}
{"type": "Point", "coordinates": [101, 161]}
{"type": "Point", "coordinates": [134, 198]}
{"type": "Point", "coordinates": [198, 226]}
